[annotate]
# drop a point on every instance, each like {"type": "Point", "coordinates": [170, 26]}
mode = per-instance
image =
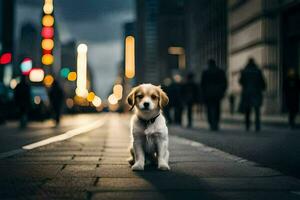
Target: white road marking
{"type": "Point", "coordinates": [67, 135]}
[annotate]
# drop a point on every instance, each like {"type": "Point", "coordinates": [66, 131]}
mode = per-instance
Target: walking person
{"type": "Point", "coordinates": [253, 84]}
{"type": "Point", "coordinates": [56, 96]}
{"type": "Point", "coordinates": [213, 86]}
{"type": "Point", "coordinates": [166, 88]}
{"type": "Point", "coordinates": [175, 98]}
{"type": "Point", "coordinates": [190, 90]}
{"type": "Point", "coordinates": [292, 88]}
{"type": "Point", "coordinates": [22, 95]}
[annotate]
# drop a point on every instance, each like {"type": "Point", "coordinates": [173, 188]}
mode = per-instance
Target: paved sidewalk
{"type": "Point", "coordinates": [94, 166]}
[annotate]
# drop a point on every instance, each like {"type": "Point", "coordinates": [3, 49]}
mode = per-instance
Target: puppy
{"type": "Point", "coordinates": [149, 131]}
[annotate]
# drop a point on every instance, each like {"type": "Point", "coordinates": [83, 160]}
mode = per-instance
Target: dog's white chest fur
{"type": "Point", "coordinates": [150, 139]}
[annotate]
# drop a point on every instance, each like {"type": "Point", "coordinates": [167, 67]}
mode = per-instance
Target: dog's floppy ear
{"type": "Point", "coordinates": [163, 98]}
{"type": "Point", "coordinates": [131, 97]}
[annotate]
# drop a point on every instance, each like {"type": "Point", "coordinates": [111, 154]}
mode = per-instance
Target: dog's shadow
{"type": "Point", "coordinates": [178, 185]}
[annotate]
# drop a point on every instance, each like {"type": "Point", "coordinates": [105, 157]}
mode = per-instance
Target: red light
{"type": "Point", "coordinates": [26, 59]}
{"type": "Point", "coordinates": [47, 32]}
{"type": "Point", "coordinates": [47, 51]}
{"type": "Point", "coordinates": [5, 58]}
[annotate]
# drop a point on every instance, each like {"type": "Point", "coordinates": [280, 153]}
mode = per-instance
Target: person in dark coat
{"type": "Point", "coordinates": [213, 86]}
{"type": "Point", "coordinates": [253, 84]}
{"type": "Point", "coordinates": [166, 87]}
{"type": "Point", "coordinates": [22, 95]}
{"type": "Point", "coordinates": [190, 90]}
{"type": "Point", "coordinates": [56, 95]}
{"type": "Point", "coordinates": [292, 89]}
{"type": "Point", "coordinates": [176, 99]}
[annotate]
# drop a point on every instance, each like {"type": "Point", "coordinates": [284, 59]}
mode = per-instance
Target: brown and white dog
{"type": "Point", "coordinates": [148, 127]}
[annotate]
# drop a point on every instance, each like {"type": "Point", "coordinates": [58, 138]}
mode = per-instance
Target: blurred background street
{"type": "Point", "coordinates": [229, 67]}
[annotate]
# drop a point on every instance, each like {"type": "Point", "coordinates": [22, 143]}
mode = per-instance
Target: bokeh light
{"type": "Point", "coordinates": [26, 66]}
{"type": "Point", "coordinates": [47, 59]}
{"type": "Point", "coordinates": [90, 97]}
{"type": "Point", "coordinates": [97, 101]}
{"type": "Point", "coordinates": [72, 76]}
{"type": "Point", "coordinates": [81, 92]}
{"type": "Point", "coordinates": [13, 83]}
{"type": "Point", "coordinates": [69, 103]}
{"type": "Point", "coordinates": [112, 99]}
{"type": "Point", "coordinates": [81, 70]}
{"type": "Point", "coordinates": [48, 8]}
{"type": "Point", "coordinates": [129, 57]}
{"type": "Point", "coordinates": [64, 72]}
{"type": "Point", "coordinates": [37, 100]}
{"type": "Point", "coordinates": [48, 20]}
{"type": "Point", "coordinates": [5, 58]}
{"type": "Point", "coordinates": [82, 48]}
{"type": "Point", "coordinates": [47, 44]}
{"type": "Point", "coordinates": [48, 80]}
{"type": "Point", "coordinates": [118, 91]}
{"type": "Point", "coordinates": [47, 32]}
{"type": "Point", "coordinates": [36, 75]}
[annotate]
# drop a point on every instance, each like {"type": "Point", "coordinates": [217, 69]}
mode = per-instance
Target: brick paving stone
{"type": "Point", "coordinates": [93, 166]}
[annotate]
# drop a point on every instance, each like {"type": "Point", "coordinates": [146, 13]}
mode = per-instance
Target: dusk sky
{"type": "Point", "coordinates": [98, 23]}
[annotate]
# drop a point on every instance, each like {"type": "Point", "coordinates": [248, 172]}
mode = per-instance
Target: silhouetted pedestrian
{"type": "Point", "coordinates": [190, 91]}
{"type": "Point", "coordinates": [213, 87]}
{"type": "Point", "coordinates": [56, 95]}
{"type": "Point", "coordinates": [231, 99]}
{"type": "Point", "coordinates": [292, 89]}
{"type": "Point", "coordinates": [176, 98]}
{"type": "Point", "coordinates": [167, 109]}
{"type": "Point", "coordinates": [253, 85]}
{"type": "Point", "coordinates": [22, 95]}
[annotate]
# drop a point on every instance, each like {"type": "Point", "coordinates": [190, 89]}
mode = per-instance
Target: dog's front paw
{"type": "Point", "coordinates": [137, 167]}
{"type": "Point", "coordinates": [164, 167]}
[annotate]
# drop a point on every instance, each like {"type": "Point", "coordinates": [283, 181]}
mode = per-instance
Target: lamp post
{"type": "Point", "coordinates": [129, 57]}
{"type": "Point", "coordinates": [81, 89]}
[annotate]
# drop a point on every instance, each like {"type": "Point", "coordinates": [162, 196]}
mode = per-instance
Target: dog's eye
{"type": "Point", "coordinates": [153, 97]}
{"type": "Point", "coordinates": [140, 96]}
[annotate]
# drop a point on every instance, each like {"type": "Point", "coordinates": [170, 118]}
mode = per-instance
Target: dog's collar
{"type": "Point", "coordinates": [146, 123]}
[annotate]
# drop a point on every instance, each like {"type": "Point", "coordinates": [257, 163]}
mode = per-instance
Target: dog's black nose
{"type": "Point", "coordinates": [146, 105]}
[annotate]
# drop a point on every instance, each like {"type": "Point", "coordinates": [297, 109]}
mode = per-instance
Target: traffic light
{"type": "Point", "coordinates": [5, 58]}
{"type": "Point", "coordinates": [47, 33]}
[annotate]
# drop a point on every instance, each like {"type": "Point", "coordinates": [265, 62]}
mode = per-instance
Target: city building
{"type": "Point", "coordinates": [69, 64]}
{"type": "Point", "coordinates": [269, 32]}
{"type": "Point", "coordinates": [7, 18]}
{"type": "Point", "coordinates": [206, 34]}
{"type": "Point", "coordinates": [160, 25]}
{"type": "Point", "coordinates": [29, 44]}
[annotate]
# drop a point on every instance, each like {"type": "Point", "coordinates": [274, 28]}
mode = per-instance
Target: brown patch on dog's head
{"type": "Point", "coordinates": [147, 94]}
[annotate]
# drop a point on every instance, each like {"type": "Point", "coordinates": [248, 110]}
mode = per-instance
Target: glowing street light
{"type": "Point", "coordinates": [26, 66]}
{"type": "Point", "coordinates": [96, 101]}
{"type": "Point", "coordinates": [5, 58]}
{"type": "Point", "coordinates": [112, 99]}
{"type": "Point", "coordinates": [118, 91]}
{"type": "Point", "coordinates": [48, 20]}
{"type": "Point", "coordinates": [36, 75]}
{"type": "Point", "coordinates": [48, 80]}
{"type": "Point", "coordinates": [47, 59]}
{"type": "Point", "coordinates": [72, 76]}
{"type": "Point", "coordinates": [179, 51]}
{"type": "Point", "coordinates": [47, 44]}
{"type": "Point", "coordinates": [81, 70]}
{"type": "Point", "coordinates": [90, 97]}
{"type": "Point", "coordinates": [129, 57]}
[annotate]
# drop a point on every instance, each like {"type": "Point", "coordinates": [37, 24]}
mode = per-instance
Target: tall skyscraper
{"type": "Point", "coordinates": [160, 25]}
{"type": "Point", "coordinates": [206, 33]}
